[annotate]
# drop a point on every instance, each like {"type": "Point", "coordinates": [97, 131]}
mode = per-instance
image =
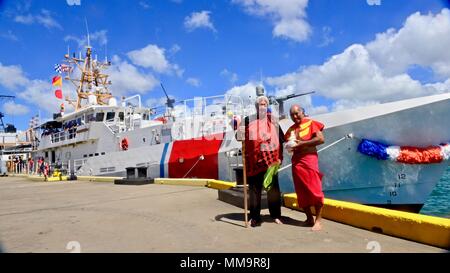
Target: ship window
{"type": "Point", "coordinates": [121, 116]}
{"type": "Point", "coordinates": [110, 115]}
{"type": "Point", "coordinates": [96, 154]}
{"type": "Point", "coordinates": [103, 153]}
{"type": "Point", "coordinates": [90, 118]}
{"type": "Point", "coordinates": [99, 116]}
{"type": "Point", "coordinates": [84, 155]}
{"type": "Point", "coordinates": [91, 155]}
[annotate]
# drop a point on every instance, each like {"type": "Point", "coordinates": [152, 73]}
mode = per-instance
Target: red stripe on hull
{"type": "Point", "coordinates": [190, 150]}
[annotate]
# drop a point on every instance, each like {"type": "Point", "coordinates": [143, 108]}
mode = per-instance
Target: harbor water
{"type": "Point", "coordinates": [438, 204]}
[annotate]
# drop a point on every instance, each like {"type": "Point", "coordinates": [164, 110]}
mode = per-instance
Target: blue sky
{"type": "Point", "coordinates": [351, 52]}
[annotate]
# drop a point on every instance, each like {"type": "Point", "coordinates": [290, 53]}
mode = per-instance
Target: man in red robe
{"type": "Point", "coordinates": [263, 149]}
{"type": "Point", "coordinates": [306, 134]}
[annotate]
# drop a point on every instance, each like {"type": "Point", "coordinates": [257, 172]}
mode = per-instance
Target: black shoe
{"type": "Point", "coordinates": [254, 223]}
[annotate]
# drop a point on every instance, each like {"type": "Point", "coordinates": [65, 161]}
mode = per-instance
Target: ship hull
{"type": "Point", "coordinates": [352, 176]}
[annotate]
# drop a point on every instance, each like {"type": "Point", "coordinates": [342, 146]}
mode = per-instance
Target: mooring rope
{"type": "Point", "coordinates": [195, 164]}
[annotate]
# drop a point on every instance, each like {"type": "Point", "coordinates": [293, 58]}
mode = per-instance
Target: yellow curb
{"type": "Point", "coordinates": [210, 183]}
{"type": "Point", "coordinates": [182, 181]}
{"type": "Point", "coordinates": [220, 185]}
{"type": "Point", "coordinates": [420, 228]}
{"type": "Point", "coordinates": [57, 178]}
{"type": "Point", "coordinates": [98, 178]}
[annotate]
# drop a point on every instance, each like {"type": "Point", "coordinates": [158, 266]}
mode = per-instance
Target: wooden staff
{"type": "Point", "coordinates": [245, 184]}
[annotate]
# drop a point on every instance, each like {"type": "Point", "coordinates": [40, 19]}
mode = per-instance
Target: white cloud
{"type": "Point", "coordinates": [154, 57]}
{"type": "Point", "coordinates": [327, 39]}
{"type": "Point", "coordinates": [14, 109]}
{"type": "Point", "coordinates": [24, 19]}
{"type": "Point", "coordinates": [439, 87]}
{"type": "Point", "coordinates": [144, 4]}
{"type": "Point", "coordinates": [377, 73]}
{"type": "Point", "coordinates": [288, 16]}
{"type": "Point", "coordinates": [317, 110]}
{"type": "Point", "coordinates": [73, 2]}
{"type": "Point", "coordinates": [246, 92]}
{"type": "Point", "coordinates": [40, 93]}
{"type": "Point", "coordinates": [199, 20]}
{"type": "Point", "coordinates": [373, 2]}
{"type": "Point", "coordinates": [126, 78]}
{"type": "Point", "coordinates": [33, 91]}
{"type": "Point", "coordinates": [423, 40]}
{"type": "Point", "coordinates": [232, 77]}
{"type": "Point", "coordinates": [43, 18]}
{"type": "Point", "coordinates": [12, 76]}
{"type": "Point", "coordinates": [150, 56]}
{"type": "Point", "coordinates": [351, 75]}
{"type": "Point", "coordinates": [174, 49]}
{"type": "Point", "coordinates": [9, 36]}
{"type": "Point", "coordinates": [194, 82]}
{"type": "Point", "coordinates": [99, 36]}
{"type": "Point", "coordinates": [152, 102]}
{"type": "Point", "coordinates": [178, 70]}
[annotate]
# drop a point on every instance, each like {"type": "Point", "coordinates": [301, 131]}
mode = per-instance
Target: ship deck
{"type": "Point", "coordinates": [104, 217]}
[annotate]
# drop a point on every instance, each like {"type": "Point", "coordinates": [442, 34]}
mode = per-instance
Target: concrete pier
{"type": "Point", "coordinates": [89, 216]}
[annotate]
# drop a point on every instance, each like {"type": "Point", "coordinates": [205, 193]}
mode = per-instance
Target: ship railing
{"type": "Point", "coordinates": [64, 135]}
{"type": "Point", "coordinates": [78, 163]}
{"type": "Point", "coordinates": [129, 99]}
{"type": "Point", "coordinates": [20, 168]}
{"type": "Point", "coordinates": [221, 105]}
{"type": "Point", "coordinates": [63, 167]}
{"type": "Point", "coordinates": [112, 127]}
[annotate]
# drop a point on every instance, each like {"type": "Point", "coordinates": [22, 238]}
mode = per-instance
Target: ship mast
{"type": "Point", "coordinates": [92, 81]}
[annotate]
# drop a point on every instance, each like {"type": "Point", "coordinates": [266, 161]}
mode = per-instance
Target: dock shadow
{"type": "Point", "coordinates": [230, 218]}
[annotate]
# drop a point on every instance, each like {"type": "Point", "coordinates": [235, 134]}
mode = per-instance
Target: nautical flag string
{"type": "Point", "coordinates": [34, 122]}
{"type": "Point", "coordinates": [60, 68]}
{"type": "Point", "coordinates": [405, 154]}
{"type": "Point", "coordinates": [58, 94]}
{"type": "Point", "coordinates": [57, 81]}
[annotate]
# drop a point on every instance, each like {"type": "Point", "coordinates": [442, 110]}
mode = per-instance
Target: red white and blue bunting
{"type": "Point", "coordinates": [405, 154]}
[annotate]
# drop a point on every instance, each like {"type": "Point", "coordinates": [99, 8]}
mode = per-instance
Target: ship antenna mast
{"type": "Point", "coordinates": [92, 81]}
{"type": "Point", "coordinates": [87, 30]}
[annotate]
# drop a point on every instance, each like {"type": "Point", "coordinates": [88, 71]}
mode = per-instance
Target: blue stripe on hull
{"type": "Point", "coordinates": [163, 158]}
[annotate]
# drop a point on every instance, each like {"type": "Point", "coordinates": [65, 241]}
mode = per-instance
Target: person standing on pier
{"type": "Point", "coordinates": [302, 138]}
{"type": "Point", "coordinates": [261, 136]}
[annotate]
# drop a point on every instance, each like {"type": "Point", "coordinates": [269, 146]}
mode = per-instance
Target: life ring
{"type": "Point", "coordinates": [124, 144]}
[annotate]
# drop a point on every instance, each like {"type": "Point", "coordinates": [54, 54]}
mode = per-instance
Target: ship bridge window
{"type": "Point", "coordinates": [99, 116]}
{"type": "Point", "coordinates": [110, 115]}
{"type": "Point", "coordinates": [121, 116]}
{"type": "Point", "coordinates": [90, 118]}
